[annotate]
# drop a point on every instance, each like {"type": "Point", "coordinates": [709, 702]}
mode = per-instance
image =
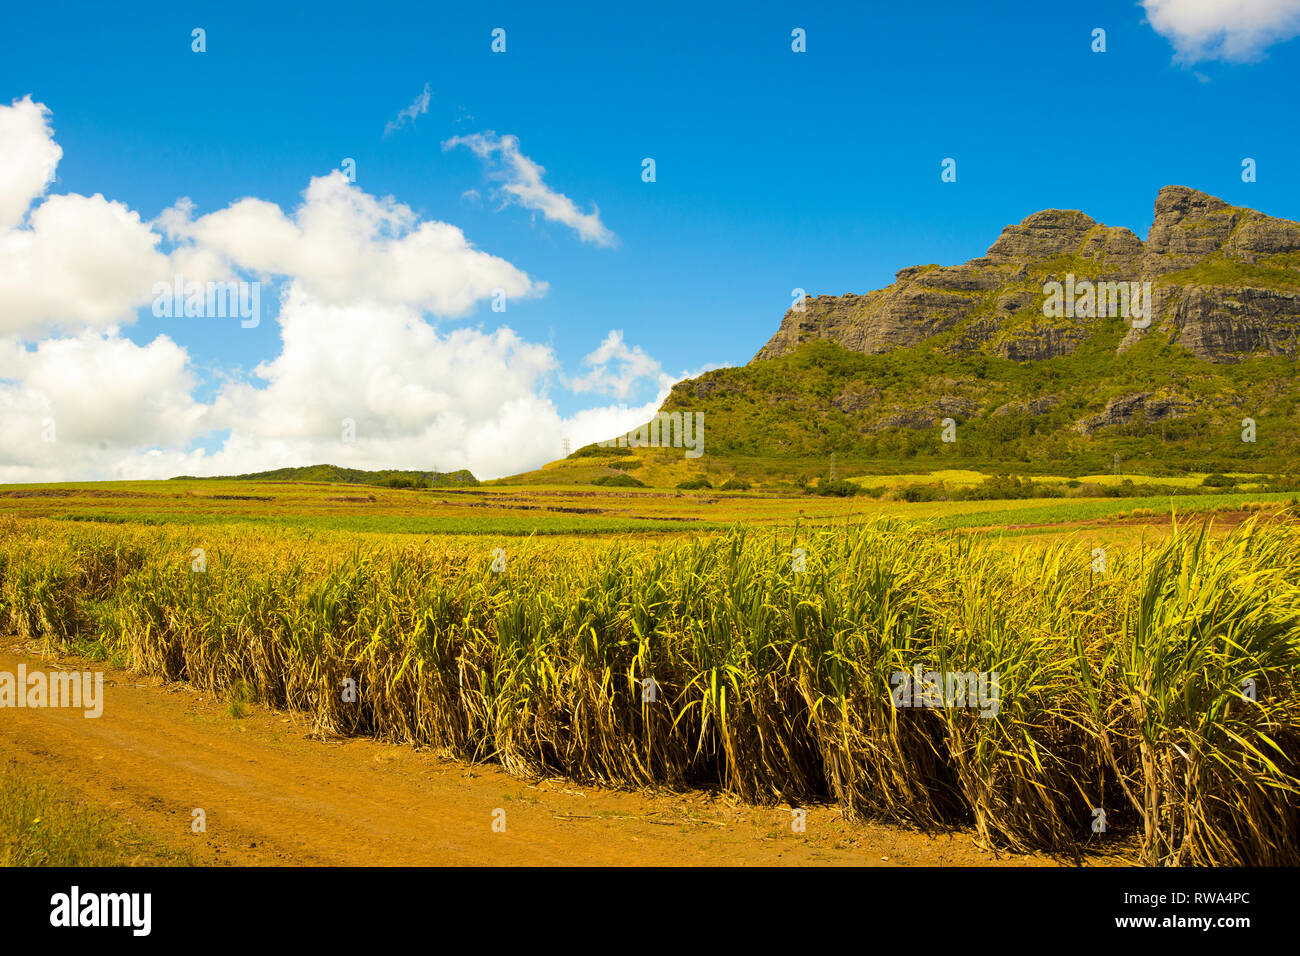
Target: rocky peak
{"type": "Point", "coordinates": [992, 304]}
{"type": "Point", "coordinates": [1052, 232]}
{"type": "Point", "coordinates": [1188, 226]}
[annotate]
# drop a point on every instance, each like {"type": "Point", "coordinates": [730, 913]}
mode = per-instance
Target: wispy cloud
{"type": "Point", "coordinates": [418, 107]}
{"type": "Point", "coordinates": [1232, 30]}
{"type": "Point", "coordinates": [522, 183]}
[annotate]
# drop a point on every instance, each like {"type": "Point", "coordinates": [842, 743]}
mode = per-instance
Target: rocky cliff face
{"type": "Point", "coordinates": [1225, 284]}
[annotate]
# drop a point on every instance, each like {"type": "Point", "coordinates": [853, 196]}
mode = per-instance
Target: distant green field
{"type": "Point", "coordinates": [403, 524]}
{"type": "Point", "coordinates": [959, 477]}
{"type": "Point", "coordinates": [571, 511]}
{"type": "Point", "coordinates": [1055, 511]}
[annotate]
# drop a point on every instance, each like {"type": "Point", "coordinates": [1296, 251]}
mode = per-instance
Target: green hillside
{"type": "Point", "coordinates": [1007, 414]}
{"type": "Point", "coordinates": [354, 476]}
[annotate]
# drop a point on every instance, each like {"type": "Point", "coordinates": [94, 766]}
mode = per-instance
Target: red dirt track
{"type": "Point", "coordinates": [274, 795]}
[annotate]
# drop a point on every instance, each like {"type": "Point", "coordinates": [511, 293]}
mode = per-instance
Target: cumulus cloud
{"type": "Point", "coordinates": [81, 260]}
{"type": "Point", "coordinates": [418, 107]}
{"type": "Point", "coordinates": [362, 386]}
{"type": "Point", "coordinates": [615, 369]}
{"type": "Point", "coordinates": [600, 424]}
{"type": "Point", "coordinates": [411, 392]}
{"type": "Point", "coordinates": [1230, 30]}
{"type": "Point", "coordinates": [28, 160]}
{"type": "Point", "coordinates": [411, 396]}
{"type": "Point", "coordinates": [92, 404]}
{"type": "Point", "coordinates": [72, 260]}
{"type": "Point", "coordinates": [522, 183]}
{"type": "Point", "coordinates": [364, 281]}
{"type": "Point", "coordinates": [345, 245]}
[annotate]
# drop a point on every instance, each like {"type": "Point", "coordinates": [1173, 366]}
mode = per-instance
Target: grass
{"type": "Point", "coordinates": [1055, 511]}
{"type": "Point", "coordinates": [42, 825]}
{"type": "Point", "coordinates": [239, 697]}
{"type": "Point", "coordinates": [516, 513]}
{"type": "Point", "coordinates": [1120, 690]}
{"type": "Point", "coordinates": [962, 477]}
{"type": "Point", "coordinates": [1276, 272]}
{"type": "Point", "coordinates": [490, 525]}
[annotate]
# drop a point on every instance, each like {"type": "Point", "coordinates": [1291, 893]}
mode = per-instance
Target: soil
{"type": "Point", "coordinates": [275, 795]}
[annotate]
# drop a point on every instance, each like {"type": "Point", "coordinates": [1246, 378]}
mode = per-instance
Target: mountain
{"type": "Point", "coordinates": [1225, 279]}
{"type": "Point", "coordinates": [1067, 343]}
{"type": "Point", "coordinates": [352, 476]}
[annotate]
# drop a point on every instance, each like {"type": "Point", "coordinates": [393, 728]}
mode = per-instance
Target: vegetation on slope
{"type": "Point", "coordinates": [786, 408]}
{"type": "Point", "coordinates": [391, 478]}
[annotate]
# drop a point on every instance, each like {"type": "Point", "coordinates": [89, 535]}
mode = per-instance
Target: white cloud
{"type": "Point", "coordinates": [410, 390]}
{"type": "Point", "coordinates": [72, 260]}
{"type": "Point", "coordinates": [364, 275]}
{"type": "Point", "coordinates": [614, 368]}
{"type": "Point", "coordinates": [1231, 30]}
{"type": "Point", "coordinates": [521, 180]}
{"type": "Point", "coordinates": [600, 424]}
{"type": "Point", "coordinates": [346, 246]}
{"type": "Point", "coordinates": [77, 261]}
{"type": "Point", "coordinates": [419, 397]}
{"type": "Point", "coordinates": [82, 260]}
{"type": "Point", "coordinates": [91, 404]}
{"type": "Point", "coordinates": [617, 369]}
{"type": "Point", "coordinates": [418, 107]}
{"type": "Point", "coordinates": [28, 160]}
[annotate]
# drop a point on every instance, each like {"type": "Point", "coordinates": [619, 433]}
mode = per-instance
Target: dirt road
{"type": "Point", "coordinates": [273, 795]}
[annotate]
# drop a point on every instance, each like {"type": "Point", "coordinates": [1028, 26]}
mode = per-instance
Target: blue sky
{"type": "Point", "coordinates": [774, 170]}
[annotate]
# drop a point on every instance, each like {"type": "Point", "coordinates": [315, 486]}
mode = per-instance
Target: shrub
{"type": "Point", "coordinates": [599, 451]}
{"type": "Point", "coordinates": [694, 484]}
{"type": "Point", "coordinates": [837, 487]}
{"type": "Point", "coordinates": [921, 492]}
{"type": "Point", "coordinates": [619, 481]}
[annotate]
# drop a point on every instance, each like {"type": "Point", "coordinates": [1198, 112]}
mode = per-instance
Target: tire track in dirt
{"type": "Point", "coordinates": [275, 796]}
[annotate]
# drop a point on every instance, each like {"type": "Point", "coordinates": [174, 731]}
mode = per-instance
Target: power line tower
{"type": "Point", "coordinates": [832, 466]}
{"type": "Point", "coordinates": [565, 446]}
{"type": "Point", "coordinates": [1117, 463]}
